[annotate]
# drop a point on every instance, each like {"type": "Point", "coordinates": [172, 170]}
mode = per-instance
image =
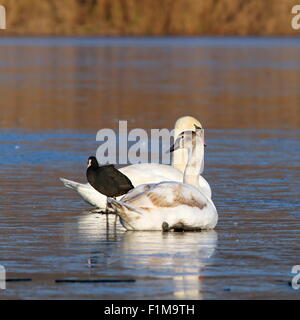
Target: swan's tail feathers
{"type": "Point", "coordinates": [124, 210]}
{"type": "Point", "coordinates": [71, 184]}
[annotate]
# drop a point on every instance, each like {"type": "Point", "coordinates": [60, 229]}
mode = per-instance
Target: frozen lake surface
{"type": "Point", "coordinates": [56, 93]}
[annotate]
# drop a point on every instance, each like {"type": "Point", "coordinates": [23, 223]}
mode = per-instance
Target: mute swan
{"type": "Point", "coordinates": [148, 172]}
{"type": "Point", "coordinates": [171, 205]}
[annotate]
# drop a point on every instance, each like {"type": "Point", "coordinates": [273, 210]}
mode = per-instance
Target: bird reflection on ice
{"type": "Point", "coordinates": [97, 227]}
{"type": "Point", "coordinates": [181, 257]}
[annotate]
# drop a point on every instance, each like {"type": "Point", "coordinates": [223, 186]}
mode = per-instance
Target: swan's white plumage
{"type": "Point", "coordinates": [148, 206]}
{"type": "Point", "coordinates": [147, 172]}
{"type": "Point", "coordinates": [87, 192]}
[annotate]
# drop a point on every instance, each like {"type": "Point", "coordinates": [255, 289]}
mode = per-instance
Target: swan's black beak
{"type": "Point", "coordinates": [174, 147]}
{"type": "Point", "coordinates": [171, 149]}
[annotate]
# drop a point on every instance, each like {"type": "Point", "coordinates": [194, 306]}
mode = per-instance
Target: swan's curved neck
{"type": "Point", "coordinates": [182, 157]}
{"type": "Point", "coordinates": [193, 166]}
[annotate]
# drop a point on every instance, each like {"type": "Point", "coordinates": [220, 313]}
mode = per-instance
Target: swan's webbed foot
{"type": "Point", "coordinates": [165, 227]}
{"type": "Point", "coordinates": [178, 227]}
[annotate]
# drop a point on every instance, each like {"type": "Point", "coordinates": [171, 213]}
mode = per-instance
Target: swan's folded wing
{"type": "Point", "coordinates": [137, 192]}
{"type": "Point", "coordinates": [165, 195]}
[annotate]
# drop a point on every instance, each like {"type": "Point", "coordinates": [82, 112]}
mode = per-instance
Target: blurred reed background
{"type": "Point", "coordinates": [90, 82]}
{"type": "Point", "coordinates": [149, 17]}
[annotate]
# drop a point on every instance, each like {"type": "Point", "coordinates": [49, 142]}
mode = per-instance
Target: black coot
{"type": "Point", "coordinates": [107, 179]}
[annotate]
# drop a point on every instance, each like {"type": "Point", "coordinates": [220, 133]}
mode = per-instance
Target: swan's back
{"type": "Point", "coordinates": [148, 206]}
{"type": "Point", "coordinates": [154, 173]}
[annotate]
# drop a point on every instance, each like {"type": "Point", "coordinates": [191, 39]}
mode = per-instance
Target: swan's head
{"type": "Point", "coordinates": [189, 139]}
{"type": "Point", "coordinates": [186, 123]}
{"type": "Point", "coordinates": [92, 162]}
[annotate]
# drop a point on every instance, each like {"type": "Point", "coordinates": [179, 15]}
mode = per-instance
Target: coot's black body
{"type": "Point", "coordinates": [107, 179]}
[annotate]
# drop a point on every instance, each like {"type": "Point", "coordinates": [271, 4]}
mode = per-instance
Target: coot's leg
{"type": "Point", "coordinates": [106, 212]}
{"type": "Point", "coordinates": [116, 216]}
{"type": "Point", "coordinates": [97, 210]}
